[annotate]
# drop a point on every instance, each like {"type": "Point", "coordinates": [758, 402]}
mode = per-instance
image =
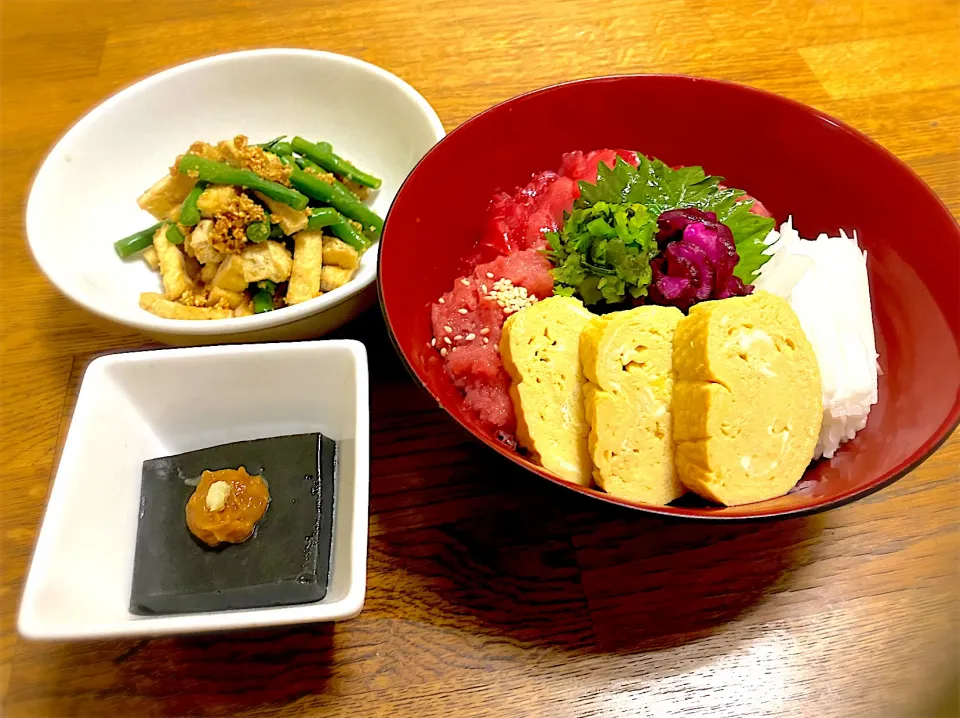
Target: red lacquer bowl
{"type": "Point", "coordinates": [796, 160]}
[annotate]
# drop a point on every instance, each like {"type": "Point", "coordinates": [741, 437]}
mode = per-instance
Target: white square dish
{"type": "Point", "coordinates": [142, 405]}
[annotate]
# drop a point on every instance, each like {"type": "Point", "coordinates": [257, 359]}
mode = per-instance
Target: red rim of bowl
{"type": "Point", "coordinates": [943, 432]}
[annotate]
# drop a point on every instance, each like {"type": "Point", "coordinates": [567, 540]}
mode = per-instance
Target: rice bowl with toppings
{"type": "Point", "coordinates": [623, 233]}
{"type": "Point", "coordinates": [803, 177]}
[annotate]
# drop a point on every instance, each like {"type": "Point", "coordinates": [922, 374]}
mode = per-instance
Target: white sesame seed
{"type": "Point", "coordinates": [443, 351]}
{"type": "Point", "coordinates": [465, 282]}
{"type": "Point", "coordinates": [483, 288]}
{"type": "Point", "coordinates": [447, 340]}
{"type": "Point", "coordinates": [485, 330]}
{"type": "Point", "coordinates": [458, 337]}
{"type": "Point", "coordinates": [470, 337]}
{"type": "Point", "coordinates": [462, 310]}
{"type": "Point", "coordinates": [489, 275]}
{"type": "Point", "coordinates": [486, 340]}
{"type": "Point", "coordinates": [442, 300]}
{"type": "Point", "coordinates": [448, 330]}
{"type": "Point", "coordinates": [433, 342]}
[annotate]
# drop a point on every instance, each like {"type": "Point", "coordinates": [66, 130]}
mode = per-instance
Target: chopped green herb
{"type": "Point", "coordinates": [660, 188]}
{"type": "Point", "coordinates": [603, 252]}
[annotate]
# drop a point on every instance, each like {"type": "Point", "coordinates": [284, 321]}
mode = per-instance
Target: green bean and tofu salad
{"type": "Point", "coordinates": [244, 229]}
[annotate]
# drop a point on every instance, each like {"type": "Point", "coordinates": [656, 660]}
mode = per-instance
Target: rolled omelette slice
{"type": "Point", "coordinates": [627, 361]}
{"type": "Point", "coordinates": [540, 351]}
{"type": "Point", "coordinates": [746, 403]}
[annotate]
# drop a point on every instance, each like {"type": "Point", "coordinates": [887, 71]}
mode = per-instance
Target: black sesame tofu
{"type": "Point", "coordinates": [286, 560]}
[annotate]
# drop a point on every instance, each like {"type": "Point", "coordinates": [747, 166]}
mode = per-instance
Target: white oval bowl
{"type": "Point", "coordinates": [84, 195]}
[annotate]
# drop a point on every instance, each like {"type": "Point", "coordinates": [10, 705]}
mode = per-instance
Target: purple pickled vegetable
{"type": "Point", "coordinates": [734, 288]}
{"type": "Point", "coordinates": [689, 261]}
{"type": "Point", "coordinates": [697, 262]}
{"type": "Point", "coordinates": [674, 221]}
{"type": "Point", "coordinates": [671, 288]}
{"type": "Point", "coordinates": [706, 238]}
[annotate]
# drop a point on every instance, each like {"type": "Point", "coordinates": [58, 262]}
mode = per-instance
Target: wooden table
{"type": "Point", "coordinates": [490, 591]}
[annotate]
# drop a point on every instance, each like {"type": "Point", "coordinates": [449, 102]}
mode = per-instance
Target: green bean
{"type": "Point", "coordinates": [221, 173]}
{"type": "Point", "coordinates": [304, 163]}
{"type": "Point", "coordinates": [349, 234]}
{"type": "Point", "coordinates": [262, 302]}
{"type": "Point", "coordinates": [322, 154]}
{"type": "Point", "coordinates": [276, 232]}
{"type": "Point", "coordinates": [281, 148]}
{"type": "Point", "coordinates": [267, 286]}
{"type": "Point", "coordinates": [259, 231]}
{"type": "Point", "coordinates": [136, 242]}
{"type": "Point", "coordinates": [339, 227]}
{"type": "Point", "coordinates": [323, 217]}
{"type": "Point", "coordinates": [339, 198]}
{"type": "Point", "coordinates": [189, 214]}
{"type": "Point", "coordinates": [174, 235]}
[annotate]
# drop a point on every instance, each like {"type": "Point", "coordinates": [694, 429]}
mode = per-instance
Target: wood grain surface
{"type": "Point", "coordinates": [491, 592]}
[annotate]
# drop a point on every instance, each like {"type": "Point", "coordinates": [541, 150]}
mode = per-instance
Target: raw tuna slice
{"type": "Point", "coordinates": [517, 222]}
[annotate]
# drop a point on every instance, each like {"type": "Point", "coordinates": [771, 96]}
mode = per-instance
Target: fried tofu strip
{"type": "Point", "coordinates": [290, 220]}
{"type": "Point", "coordinates": [208, 272]}
{"type": "Point", "coordinates": [307, 267]}
{"type": "Point", "coordinates": [151, 258]}
{"type": "Point", "coordinates": [200, 243]}
{"type": "Point", "coordinates": [230, 274]}
{"type": "Point", "coordinates": [266, 260]}
{"type": "Point", "coordinates": [173, 266]}
{"type": "Point", "coordinates": [166, 195]}
{"type": "Point", "coordinates": [155, 304]}
{"type": "Point", "coordinates": [333, 277]}
{"type": "Point", "coordinates": [216, 199]}
{"type": "Point", "coordinates": [339, 253]}
{"type": "Point", "coordinates": [220, 296]}
{"type": "Point", "coordinates": [245, 309]}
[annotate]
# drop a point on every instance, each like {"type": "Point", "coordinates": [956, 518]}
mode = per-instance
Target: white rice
{"type": "Point", "coordinates": [825, 281]}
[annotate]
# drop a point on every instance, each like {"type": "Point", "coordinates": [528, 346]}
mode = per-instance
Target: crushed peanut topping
{"type": "Point", "coordinates": [358, 189]}
{"type": "Point", "coordinates": [201, 149]}
{"type": "Point", "coordinates": [265, 164]}
{"type": "Point", "coordinates": [229, 233]}
{"type": "Point", "coordinates": [192, 298]}
{"type": "Point", "coordinates": [321, 175]}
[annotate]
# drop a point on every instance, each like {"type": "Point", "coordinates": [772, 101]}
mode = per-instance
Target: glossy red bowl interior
{"type": "Point", "coordinates": [796, 160]}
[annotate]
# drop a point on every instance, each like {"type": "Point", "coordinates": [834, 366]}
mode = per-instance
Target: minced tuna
{"type": "Point", "coordinates": [511, 272]}
{"type": "Point", "coordinates": [466, 327]}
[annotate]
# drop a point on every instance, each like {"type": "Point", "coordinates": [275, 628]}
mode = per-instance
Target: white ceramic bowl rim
{"type": "Point", "coordinates": [151, 323]}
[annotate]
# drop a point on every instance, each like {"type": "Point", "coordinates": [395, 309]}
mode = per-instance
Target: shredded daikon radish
{"type": "Point", "coordinates": [825, 281]}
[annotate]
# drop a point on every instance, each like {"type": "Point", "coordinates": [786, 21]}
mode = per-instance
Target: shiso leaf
{"type": "Point", "coordinates": [659, 188]}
